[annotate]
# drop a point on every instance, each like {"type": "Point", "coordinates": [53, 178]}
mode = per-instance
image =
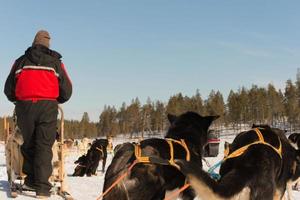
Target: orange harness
{"type": "Point", "coordinates": [146, 159]}
{"type": "Point", "coordinates": [261, 140]}
{"type": "Point", "coordinates": [170, 141]}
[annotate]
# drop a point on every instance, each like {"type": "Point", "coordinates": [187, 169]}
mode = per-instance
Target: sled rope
{"type": "Point", "coordinates": [118, 180]}
{"type": "Point", "coordinates": [172, 195]}
{"type": "Point", "coordinates": [206, 162]}
{"type": "Point", "coordinates": [261, 140]}
{"type": "Point", "coordinates": [211, 170]}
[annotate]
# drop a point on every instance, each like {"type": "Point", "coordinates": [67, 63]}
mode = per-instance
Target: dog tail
{"type": "Point", "coordinates": [207, 188]}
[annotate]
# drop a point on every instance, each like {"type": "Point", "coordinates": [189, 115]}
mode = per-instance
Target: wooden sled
{"type": "Point", "coordinates": [13, 142]}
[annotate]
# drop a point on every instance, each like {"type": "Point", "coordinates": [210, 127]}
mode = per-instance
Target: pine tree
{"type": "Point", "coordinates": [158, 118]}
{"type": "Point", "coordinates": [244, 105]}
{"type": "Point", "coordinates": [258, 104]}
{"type": "Point", "coordinates": [84, 125]}
{"type": "Point", "coordinates": [146, 111]}
{"type": "Point", "coordinates": [234, 108]}
{"type": "Point", "coordinates": [122, 119]}
{"type": "Point", "coordinates": [134, 116]}
{"type": "Point", "coordinates": [291, 103]}
{"type": "Point", "coordinates": [195, 103]}
{"type": "Point", "coordinates": [176, 105]}
{"type": "Point", "coordinates": [275, 105]}
{"type": "Point", "coordinates": [215, 105]}
{"type": "Point", "coordinates": [108, 124]}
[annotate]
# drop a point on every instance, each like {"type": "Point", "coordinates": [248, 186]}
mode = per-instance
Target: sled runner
{"type": "Point", "coordinates": [14, 161]}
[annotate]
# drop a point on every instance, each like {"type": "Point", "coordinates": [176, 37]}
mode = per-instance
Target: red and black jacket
{"type": "Point", "coordinates": [38, 75]}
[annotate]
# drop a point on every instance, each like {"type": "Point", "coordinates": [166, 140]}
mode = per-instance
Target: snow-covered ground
{"type": "Point", "coordinates": [88, 188]}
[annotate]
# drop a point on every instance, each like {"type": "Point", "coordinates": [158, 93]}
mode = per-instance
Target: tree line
{"type": "Point", "coordinates": [263, 105]}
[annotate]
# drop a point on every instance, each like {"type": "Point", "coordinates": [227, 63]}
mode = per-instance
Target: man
{"type": "Point", "coordinates": [36, 84]}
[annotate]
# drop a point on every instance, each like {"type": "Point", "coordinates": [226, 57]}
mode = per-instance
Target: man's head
{"type": "Point", "coordinates": [42, 37]}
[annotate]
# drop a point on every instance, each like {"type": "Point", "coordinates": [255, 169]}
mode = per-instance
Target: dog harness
{"type": "Point", "coordinates": [146, 159]}
{"type": "Point", "coordinates": [101, 151]}
{"type": "Point", "coordinates": [261, 140]}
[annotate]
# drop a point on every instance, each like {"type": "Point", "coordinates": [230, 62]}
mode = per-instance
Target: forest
{"type": "Point", "coordinates": [260, 105]}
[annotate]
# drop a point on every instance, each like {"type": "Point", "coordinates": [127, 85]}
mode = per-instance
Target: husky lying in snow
{"type": "Point", "coordinates": [260, 171]}
{"type": "Point", "coordinates": [88, 164]}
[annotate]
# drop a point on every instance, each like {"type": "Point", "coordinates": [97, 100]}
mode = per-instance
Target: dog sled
{"type": "Point", "coordinates": [14, 161]}
{"type": "Point", "coordinates": [212, 147]}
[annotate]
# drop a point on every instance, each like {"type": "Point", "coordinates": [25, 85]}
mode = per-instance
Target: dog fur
{"type": "Point", "coordinates": [110, 147]}
{"type": "Point", "coordinates": [259, 168]}
{"type": "Point", "coordinates": [150, 181]}
{"type": "Point", "coordinates": [14, 158]}
{"type": "Point", "coordinates": [83, 145]}
{"type": "Point", "coordinates": [88, 164]}
{"type": "Point", "coordinates": [294, 138]}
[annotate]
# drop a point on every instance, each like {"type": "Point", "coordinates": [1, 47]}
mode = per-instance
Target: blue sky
{"type": "Point", "coordinates": [115, 51]}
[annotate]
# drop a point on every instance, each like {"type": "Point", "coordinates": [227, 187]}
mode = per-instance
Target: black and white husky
{"type": "Point", "coordinates": [261, 172]}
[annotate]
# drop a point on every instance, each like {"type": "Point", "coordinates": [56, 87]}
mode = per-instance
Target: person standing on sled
{"type": "Point", "coordinates": [36, 84]}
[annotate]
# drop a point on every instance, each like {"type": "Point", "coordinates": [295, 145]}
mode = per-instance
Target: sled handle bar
{"type": "Point", "coordinates": [61, 139]}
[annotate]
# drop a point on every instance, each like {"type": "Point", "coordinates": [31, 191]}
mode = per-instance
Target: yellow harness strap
{"type": "Point", "coordinates": [261, 140]}
{"type": "Point", "coordinates": [145, 159]}
{"type": "Point", "coordinates": [138, 154]}
{"type": "Point", "coordinates": [183, 144]}
{"type": "Point", "coordinates": [99, 149]}
{"type": "Point", "coordinates": [171, 160]}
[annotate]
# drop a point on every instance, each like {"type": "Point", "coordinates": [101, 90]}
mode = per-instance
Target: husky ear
{"type": "Point", "coordinates": [293, 138]}
{"type": "Point", "coordinates": [226, 145]}
{"type": "Point", "coordinates": [226, 148]}
{"type": "Point", "coordinates": [209, 120]}
{"type": "Point", "coordinates": [171, 118]}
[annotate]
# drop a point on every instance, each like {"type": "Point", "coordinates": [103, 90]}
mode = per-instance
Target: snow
{"type": "Point", "coordinates": [89, 188]}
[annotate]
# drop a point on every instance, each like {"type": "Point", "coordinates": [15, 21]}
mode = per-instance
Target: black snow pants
{"type": "Point", "coordinates": [37, 122]}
